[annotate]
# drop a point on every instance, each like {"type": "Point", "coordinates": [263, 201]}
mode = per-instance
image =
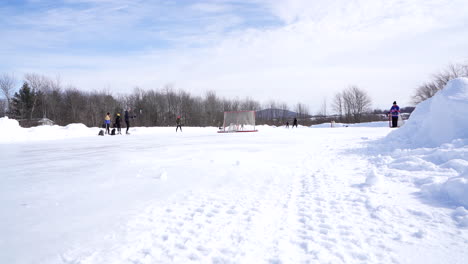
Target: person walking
{"type": "Point", "coordinates": [117, 124]}
{"type": "Point", "coordinates": [178, 122]}
{"type": "Point", "coordinates": [107, 121]}
{"type": "Point", "coordinates": [394, 112]}
{"type": "Point", "coordinates": [127, 120]}
{"type": "Point", "coordinates": [294, 123]}
{"type": "Point", "coordinates": [287, 124]}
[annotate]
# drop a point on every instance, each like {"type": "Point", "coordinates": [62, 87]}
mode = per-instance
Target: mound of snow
{"type": "Point", "coordinates": [8, 124]}
{"type": "Point", "coordinates": [457, 189]}
{"type": "Point", "coordinates": [11, 131]}
{"type": "Point", "coordinates": [368, 124]}
{"type": "Point", "coordinates": [440, 119]}
{"type": "Point", "coordinates": [461, 216]}
{"type": "Point", "coordinates": [454, 190]}
{"type": "Point", "coordinates": [373, 178]}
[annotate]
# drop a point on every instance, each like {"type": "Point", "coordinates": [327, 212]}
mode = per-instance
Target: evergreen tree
{"type": "Point", "coordinates": [23, 102]}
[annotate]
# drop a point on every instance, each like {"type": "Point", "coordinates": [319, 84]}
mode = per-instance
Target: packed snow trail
{"type": "Point", "coordinates": [276, 196]}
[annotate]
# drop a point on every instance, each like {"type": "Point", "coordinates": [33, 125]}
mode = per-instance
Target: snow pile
{"type": "Point", "coordinates": [438, 120]}
{"type": "Point", "coordinates": [11, 131]}
{"type": "Point", "coordinates": [368, 124]}
{"type": "Point", "coordinates": [440, 172]}
{"type": "Point", "coordinates": [372, 178]}
{"type": "Point", "coordinates": [454, 189]}
{"type": "Point", "coordinates": [431, 149]}
{"type": "Point", "coordinates": [461, 216]}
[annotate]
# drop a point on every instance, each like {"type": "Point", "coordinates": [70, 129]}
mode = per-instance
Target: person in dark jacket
{"type": "Point", "coordinates": [178, 122]}
{"type": "Point", "coordinates": [127, 119]}
{"type": "Point", "coordinates": [394, 112]}
{"type": "Point", "coordinates": [117, 124]}
{"type": "Point", "coordinates": [294, 123]}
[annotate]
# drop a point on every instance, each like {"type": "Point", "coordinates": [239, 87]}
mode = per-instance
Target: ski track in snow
{"type": "Point", "coordinates": [313, 209]}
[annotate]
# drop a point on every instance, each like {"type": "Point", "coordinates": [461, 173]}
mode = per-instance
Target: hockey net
{"type": "Point", "coordinates": [238, 121]}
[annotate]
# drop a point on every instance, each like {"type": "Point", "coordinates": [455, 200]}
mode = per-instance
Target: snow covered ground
{"type": "Point", "coordinates": [305, 195]}
{"type": "Point", "coordinates": [276, 196]}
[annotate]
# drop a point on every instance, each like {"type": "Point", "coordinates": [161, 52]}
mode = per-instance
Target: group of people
{"type": "Point", "coordinates": [393, 113]}
{"type": "Point", "coordinates": [127, 117]}
{"type": "Point", "coordinates": [117, 122]}
{"type": "Point", "coordinates": [294, 123]}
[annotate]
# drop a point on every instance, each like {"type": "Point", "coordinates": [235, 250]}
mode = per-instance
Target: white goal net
{"type": "Point", "coordinates": [239, 121]}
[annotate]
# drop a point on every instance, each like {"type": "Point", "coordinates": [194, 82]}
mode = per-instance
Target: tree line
{"type": "Point", "coordinates": [40, 96]}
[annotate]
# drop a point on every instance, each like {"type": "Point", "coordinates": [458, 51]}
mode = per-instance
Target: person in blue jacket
{"type": "Point", "coordinates": [395, 112]}
{"type": "Point", "coordinates": [107, 122]}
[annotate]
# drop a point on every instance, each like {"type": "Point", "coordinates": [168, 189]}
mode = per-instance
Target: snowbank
{"type": "Point", "coordinates": [438, 120]}
{"type": "Point", "coordinates": [369, 124]}
{"type": "Point", "coordinates": [11, 131]}
{"type": "Point", "coordinates": [431, 149]}
{"type": "Point", "coordinates": [455, 189]}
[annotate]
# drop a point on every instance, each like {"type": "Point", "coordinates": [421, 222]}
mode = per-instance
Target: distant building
{"type": "Point", "coordinates": [36, 122]}
{"type": "Point", "coordinates": [45, 122]}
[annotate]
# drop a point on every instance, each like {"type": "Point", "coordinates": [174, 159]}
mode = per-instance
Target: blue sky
{"type": "Point", "coordinates": [290, 50]}
{"type": "Point", "coordinates": [114, 27]}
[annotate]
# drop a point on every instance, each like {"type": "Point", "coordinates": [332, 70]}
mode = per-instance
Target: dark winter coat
{"type": "Point", "coordinates": [117, 121]}
{"type": "Point", "coordinates": [127, 117]}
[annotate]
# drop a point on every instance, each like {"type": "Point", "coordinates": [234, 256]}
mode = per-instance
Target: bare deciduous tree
{"type": "Point", "coordinates": [302, 110]}
{"type": "Point", "coordinates": [7, 86]}
{"type": "Point", "coordinates": [429, 89]}
{"type": "Point", "coordinates": [40, 85]}
{"type": "Point", "coordinates": [338, 105]}
{"type": "Point", "coordinates": [323, 108]}
{"type": "Point", "coordinates": [353, 102]}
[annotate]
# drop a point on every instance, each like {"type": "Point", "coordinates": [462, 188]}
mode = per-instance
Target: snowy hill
{"type": "Point", "coordinates": [438, 120]}
{"type": "Point", "coordinates": [431, 149]}
{"type": "Point", "coordinates": [368, 124]}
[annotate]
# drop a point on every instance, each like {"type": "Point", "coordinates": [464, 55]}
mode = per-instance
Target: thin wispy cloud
{"type": "Point", "coordinates": [292, 50]}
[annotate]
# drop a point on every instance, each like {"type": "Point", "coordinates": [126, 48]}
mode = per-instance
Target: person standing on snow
{"type": "Point", "coordinates": [127, 120]}
{"type": "Point", "coordinates": [117, 124]}
{"type": "Point", "coordinates": [107, 121]}
{"type": "Point", "coordinates": [394, 111]}
{"type": "Point", "coordinates": [178, 122]}
{"type": "Point", "coordinates": [294, 123]}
